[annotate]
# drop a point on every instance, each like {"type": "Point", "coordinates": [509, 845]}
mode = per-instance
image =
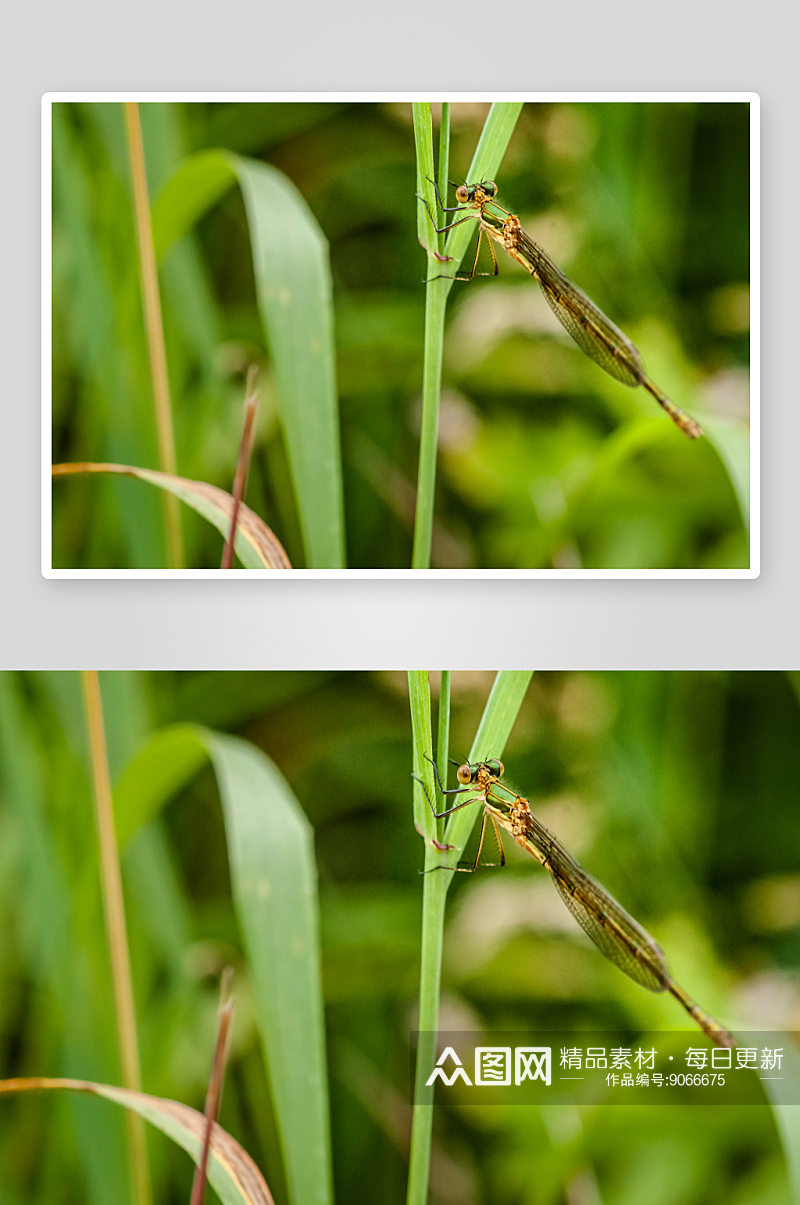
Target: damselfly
{"type": "Point", "coordinates": [595, 334]}
{"type": "Point", "coordinates": [614, 932]}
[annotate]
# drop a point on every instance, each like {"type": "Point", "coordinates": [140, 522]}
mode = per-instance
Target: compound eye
{"type": "Point", "coordinates": [464, 775]}
{"type": "Point", "coordinates": [496, 767]}
{"type": "Point", "coordinates": [490, 188]}
{"type": "Point", "coordinates": [462, 194]}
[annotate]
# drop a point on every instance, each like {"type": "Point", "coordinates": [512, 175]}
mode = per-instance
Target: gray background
{"type": "Point", "coordinates": [561, 46]}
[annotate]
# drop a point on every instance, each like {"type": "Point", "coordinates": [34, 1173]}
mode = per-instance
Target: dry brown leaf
{"type": "Point", "coordinates": [215, 504]}
{"type": "Point", "coordinates": [178, 1121]}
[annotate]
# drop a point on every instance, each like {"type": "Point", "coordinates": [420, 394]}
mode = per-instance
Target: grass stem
{"type": "Point", "coordinates": [114, 908]}
{"type": "Point", "coordinates": [155, 331]}
{"type": "Point", "coordinates": [498, 718]}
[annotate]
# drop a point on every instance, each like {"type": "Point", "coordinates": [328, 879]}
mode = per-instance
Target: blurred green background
{"type": "Point", "coordinates": [544, 461]}
{"type": "Point", "coordinates": [679, 791]}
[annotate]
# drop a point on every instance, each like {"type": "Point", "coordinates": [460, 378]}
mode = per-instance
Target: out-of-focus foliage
{"type": "Point", "coordinates": [545, 461]}
{"type": "Point", "coordinates": [679, 791]}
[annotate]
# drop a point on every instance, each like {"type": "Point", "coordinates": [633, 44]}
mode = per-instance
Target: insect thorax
{"type": "Point", "coordinates": [519, 813]}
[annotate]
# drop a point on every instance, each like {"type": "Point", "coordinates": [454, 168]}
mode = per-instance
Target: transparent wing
{"type": "Point", "coordinates": [595, 334]}
{"type": "Point", "coordinates": [616, 934]}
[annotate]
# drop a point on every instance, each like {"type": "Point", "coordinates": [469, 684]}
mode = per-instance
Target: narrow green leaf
{"type": "Point", "coordinates": [198, 184]}
{"type": "Point", "coordinates": [423, 138]}
{"type": "Point", "coordinates": [499, 717]}
{"type": "Point", "coordinates": [492, 145]}
{"type": "Point", "coordinates": [170, 759]}
{"type": "Point", "coordinates": [434, 894]}
{"type": "Point", "coordinates": [732, 442]}
{"type": "Point", "coordinates": [438, 287]}
{"type": "Point", "coordinates": [443, 727]}
{"type": "Point", "coordinates": [419, 697]}
{"type": "Point", "coordinates": [782, 1093]}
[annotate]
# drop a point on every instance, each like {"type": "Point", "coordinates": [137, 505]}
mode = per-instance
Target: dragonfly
{"type": "Point", "coordinates": [616, 934]}
{"type": "Point", "coordinates": [595, 334]}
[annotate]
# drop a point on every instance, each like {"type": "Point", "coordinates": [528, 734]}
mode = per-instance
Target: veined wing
{"type": "Point", "coordinates": [623, 941]}
{"type": "Point", "coordinates": [594, 333]}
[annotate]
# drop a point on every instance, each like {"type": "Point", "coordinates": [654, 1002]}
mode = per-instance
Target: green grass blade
{"type": "Point", "coordinates": [732, 443]}
{"type": "Point", "coordinates": [499, 716]}
{"type": "Point", "coordinates": [103, 337]}
{"type": "Point", "coordinates": [294, 294]}
{"type": "Point", "coordinates": [154, 329]}
{"type": "Point", "coordinates": [420, 704]}
{"type": "Point", "coordinates": [491, 146]}
{"type": "Point", "coordinates": [435, 299]}
{"type": "Point", "coordinates": [498, 719]}
{"type": "Point", "coordinates": [274, 878]}
{"type": "Point", "coordinates": [423, 138]}
{"type": "Point", "coordinates": [198, 184]}
{"type": "Point", "coordinates": [434, 889]}
{"type": "Point", "coordinates": [163, 766]}
{"type": "Point", "coordinates": [273, 874]}
{"type": "Point", "coordinates": [293, 283]}
{"type": "Point", "coordinates": [444, 148]}
{"type": "Point", "coordinates": [79, 1038]}
{"type": "Point", "coordinates": [787, 1115]}
{"type": "Point", "coordinates": [443, 728]}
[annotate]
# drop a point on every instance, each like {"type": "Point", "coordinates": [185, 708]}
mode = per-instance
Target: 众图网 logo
{"type": "Point", "coordinates": [494, 1064]}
